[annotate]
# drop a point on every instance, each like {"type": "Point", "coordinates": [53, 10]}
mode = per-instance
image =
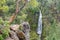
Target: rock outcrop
{"type": "Point", "coordinates": [16, 34]}
{"type": "Point", "coordinates": [13, 35]}
{"type": "Point", "coordinates": [14, 27]}
{"type": "Point", "coordinates": [26, 30]}
{"type": "Point", "coordinates": [8, 38]}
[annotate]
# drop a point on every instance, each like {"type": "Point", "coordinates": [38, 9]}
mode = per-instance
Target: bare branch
{"type": "Point", "coordinates": [18, 9]}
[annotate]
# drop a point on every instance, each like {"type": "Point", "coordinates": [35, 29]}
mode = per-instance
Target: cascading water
{"type": "Point", "coordinates": [39, 29]}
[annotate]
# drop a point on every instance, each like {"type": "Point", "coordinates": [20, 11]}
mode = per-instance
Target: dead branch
{"type": "Point", "coordinates": [18, 9]}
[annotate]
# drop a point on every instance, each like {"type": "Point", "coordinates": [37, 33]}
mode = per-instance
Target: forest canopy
{"type": "Point", "coordinates": [18, 11]}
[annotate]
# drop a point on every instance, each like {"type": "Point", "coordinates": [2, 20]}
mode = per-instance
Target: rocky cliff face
{"type": "Point", "coordinates": [17, 34]}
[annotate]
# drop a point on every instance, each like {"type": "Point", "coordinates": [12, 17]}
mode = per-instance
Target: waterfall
{"type": "Point", "coordinates": [39, 29]}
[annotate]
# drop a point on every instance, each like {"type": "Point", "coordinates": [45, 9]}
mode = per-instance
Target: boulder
{"type": "Point", "coordinates": [26, 30]}
{"type": "Point", "coordinates": [13, 35]}
{"type": "Point", "coordinates": [21, 35]}
{"type": "Point", "coordinates": [9, 38]}
{"type": "Point", "coordinates": [14, 27]}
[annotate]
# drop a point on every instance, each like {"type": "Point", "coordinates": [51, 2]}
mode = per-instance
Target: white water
{"type": "Point", "coordinates": [39, 29]}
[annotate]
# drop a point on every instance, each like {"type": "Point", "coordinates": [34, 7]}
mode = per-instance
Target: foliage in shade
{"type": "Point", "coordinates": [1, 38]}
